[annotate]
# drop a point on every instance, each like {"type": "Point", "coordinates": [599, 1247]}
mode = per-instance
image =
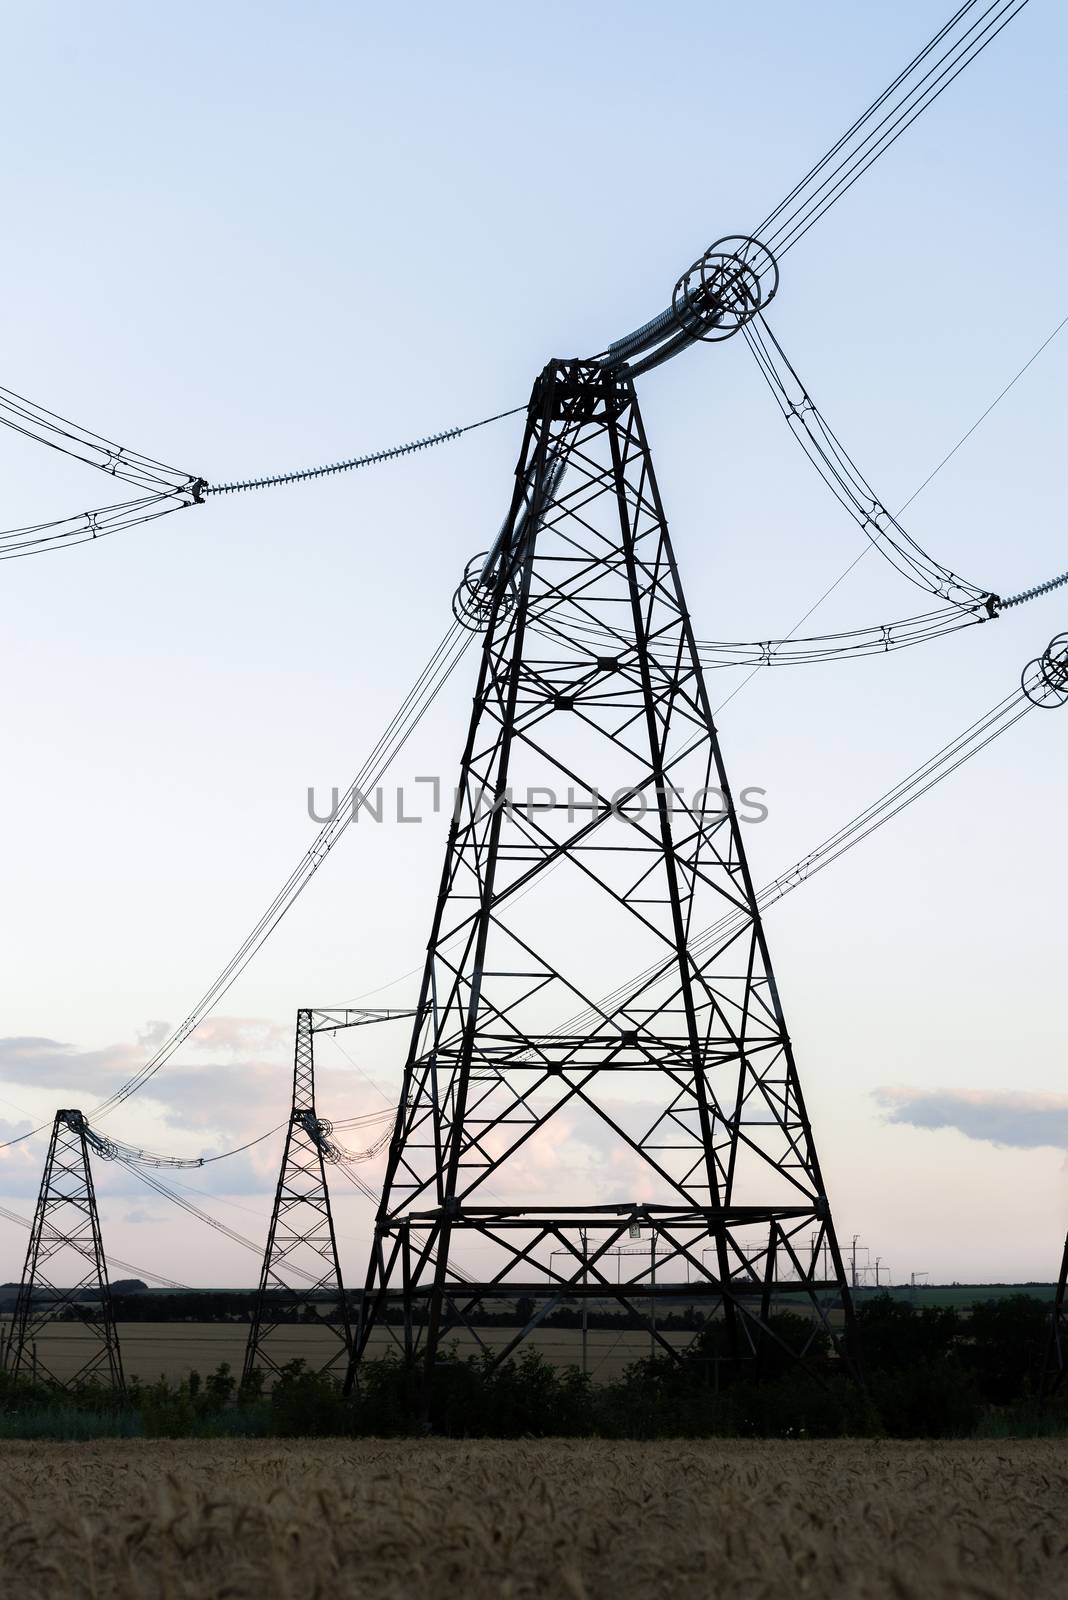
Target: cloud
{"type": "Point", "coordinates": [37, 1062]}
{"type": "Point", "coordinates": [232, 1073]}
{"type": "Point", "coordinates": [241, 1096]}
{"type": "Point", "coordinates": [152, 1035]}
{"type": "Point", "coordinates": [238, 1035]}
{"type": "Point", "coordinates": [20, 1161]}
{"type": "Point", "coordinates": [231, 1082]}
{"type": "Point", "coordinates": [1014, 1119]}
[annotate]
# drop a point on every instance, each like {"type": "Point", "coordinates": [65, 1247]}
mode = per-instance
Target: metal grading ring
{"type": "Point", "coordinates": [734, 279]}
{"type": "Point", "coordinates": [1045, 680]}
{"type": "Point", "coordinates": [472, 604]}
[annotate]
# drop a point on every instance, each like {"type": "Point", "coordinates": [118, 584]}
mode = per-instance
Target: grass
{"type": "Point", "coordinates": [66, 1423]}
{"type": "Point", "coordinates": [579, 1520]}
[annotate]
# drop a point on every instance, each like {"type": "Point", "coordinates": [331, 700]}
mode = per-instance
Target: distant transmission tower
{"type": "Point", "coordinates": [66, 1222]}
{"type": "Point", "coordinates": [301, 1296]}
{"type": "Point", "coordinates": [595, 829]}
{"type": "Point", "coordinates": [1057, 1350]}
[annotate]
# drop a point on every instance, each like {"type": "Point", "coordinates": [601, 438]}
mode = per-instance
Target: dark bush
{"type": "Point", "coordinates": [893, 1335]}
{"type": "Point", "coordinates": [931, 1400]}
{"type": "Point", "coordinates": [1006, 1346]}
{"type": "Point", "coordinates": [927, 1374]}
{"type": "Point", "coordinates": [307, 1404]}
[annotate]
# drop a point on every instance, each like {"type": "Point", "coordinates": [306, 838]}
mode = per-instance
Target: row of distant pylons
{"type": "Point", "coordinates": [290, 1320]}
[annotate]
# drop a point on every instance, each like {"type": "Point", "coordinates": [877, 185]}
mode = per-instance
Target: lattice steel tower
{"type": "Point", "coordinates": [595, 832]}
{"type": "Point", "coordinates": [301, 1271]}
{"type": "Point", "coordinates": [66, 1222]}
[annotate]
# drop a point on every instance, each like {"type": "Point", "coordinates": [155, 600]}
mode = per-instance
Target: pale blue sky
{"type": "Point", "coordinates": [243, 238]}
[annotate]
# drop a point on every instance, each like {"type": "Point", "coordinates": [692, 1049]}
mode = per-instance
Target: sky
{"type": "Point", "coordinates": [273, 237]}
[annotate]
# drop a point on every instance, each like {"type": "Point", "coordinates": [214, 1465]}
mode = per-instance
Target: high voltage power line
{"type": "Point", "coordinates": [975, 738]}
{"type": "Point", "coordinates": [440, 666]}
{"type": "Point", "coordinates": [428, 685]}
{"type": "Point", "coordinates": [995, 722]}
{"type": "Point", "coordinates": [953, 47]}
{"type": "Point", "coordinates": [926, 77]}
{"type": "Point", "coordinates": [127, 1266]}
{"type": "Point", "coordinates": [165, 489]}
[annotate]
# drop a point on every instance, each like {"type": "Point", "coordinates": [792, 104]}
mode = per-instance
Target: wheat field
{"type": "Point", "coordinates": [586, 1520]}
{"type": "Point", "coordinates": [170, 1349]}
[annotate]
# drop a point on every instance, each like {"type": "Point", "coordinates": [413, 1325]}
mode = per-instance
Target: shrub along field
{"type": "Point", "coordinates": [931, 1373]}
{"type": "Point", "coordinates": [574, 1519]}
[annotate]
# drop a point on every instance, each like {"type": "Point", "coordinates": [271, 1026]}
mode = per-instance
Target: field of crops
{"type": "Point", "coordinates": [170, 1349]}
{"type": "Point", "coordinates": [585, 1520]}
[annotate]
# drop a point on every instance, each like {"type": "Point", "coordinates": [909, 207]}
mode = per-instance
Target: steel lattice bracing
{"type": "Point", "coordinates": [300, 1291]}
{"type": "Point", "coordinates": [594, 831]}
{"type": "Point", "coordinates": [65, 1240]}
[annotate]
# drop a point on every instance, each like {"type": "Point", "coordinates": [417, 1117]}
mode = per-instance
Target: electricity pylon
{"type": "Point", "coordinates": [594, 827]}
{"type": "Point", "coordinates": [301, 1275]}
{"type": "Point", "coordinates": [66, 1221]}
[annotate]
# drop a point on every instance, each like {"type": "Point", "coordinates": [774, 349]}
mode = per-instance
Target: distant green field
{"type": "Point", "coordinates": [959, 1294]}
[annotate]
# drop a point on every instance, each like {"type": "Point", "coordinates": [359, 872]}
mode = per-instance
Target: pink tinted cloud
{"type": "Point", "coordinates": [1008, 1118]}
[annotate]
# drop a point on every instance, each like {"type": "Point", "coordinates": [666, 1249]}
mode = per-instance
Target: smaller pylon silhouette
{"type": "Point", "coordinates": [66, 1220]}
{"type": "Point", "coordinates": [300, 1293]}
{"type": "Point", "coordinates": [1057, 1349]}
